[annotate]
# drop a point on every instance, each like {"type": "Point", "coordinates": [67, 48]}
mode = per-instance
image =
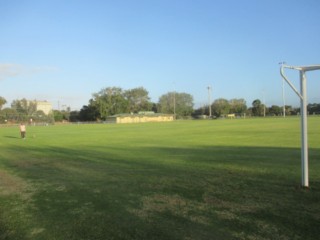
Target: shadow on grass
{"type": "Point", "coordinates": [170, 193]}
{"type": "Point", "coordinates": [12, 137]}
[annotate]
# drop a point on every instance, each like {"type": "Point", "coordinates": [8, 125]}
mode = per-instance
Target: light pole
{"type": "Point", "coordinates": [284, 100]}
{"type": "Point", "coordinates": [174, 101]}
{"type": "Point", "coordinates": [209, 98]}
{"type": "Point", "coordinates": [264, 103]}
{"type": "Point", "coordinates": [303, 112]}
{"type": "Point", "coordinates": [283, 97]}
{"type": "Point", "coordinates": [174, 105]}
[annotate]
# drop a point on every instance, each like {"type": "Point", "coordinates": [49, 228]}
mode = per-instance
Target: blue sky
{"type": "Point", "coordinates": [63, 51]}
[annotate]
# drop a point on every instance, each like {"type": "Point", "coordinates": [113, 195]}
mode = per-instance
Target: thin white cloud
{"type": "Point", "coordinates": [8, 70]}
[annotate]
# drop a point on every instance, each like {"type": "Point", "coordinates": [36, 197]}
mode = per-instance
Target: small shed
{"type": "Point", "coordinates": [140, 118]}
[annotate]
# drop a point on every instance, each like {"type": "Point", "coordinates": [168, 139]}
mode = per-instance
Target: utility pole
{"type": "Point", "coordinates": [209, 98]}
{"type": "Point", "coordinates": [283, 97]}
{"type": "Point", "coordinates": [174, 104]}
{"type": "Point", "coordinates": [264, 104]}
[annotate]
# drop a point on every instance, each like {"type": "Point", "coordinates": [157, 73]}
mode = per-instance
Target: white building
{"type": "Point", "coordinates": [44, 106]}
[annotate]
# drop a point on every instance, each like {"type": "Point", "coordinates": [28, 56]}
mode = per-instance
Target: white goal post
{"type": "Point", "coordinates": [303, 112]}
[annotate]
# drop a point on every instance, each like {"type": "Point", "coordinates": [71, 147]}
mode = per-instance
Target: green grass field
{"type": "Point", "coordinates": [218, 179]}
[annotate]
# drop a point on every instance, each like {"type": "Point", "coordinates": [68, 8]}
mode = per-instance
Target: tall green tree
{"type": "Point", "coordinates": [179, 103]}
{"type": "Point", "coordinates": [238, 106]}
{"type": "Point", "coordinates": [88, 113]}
{"type": "Point", "coordinates": [184, 104]}
{"type": "Point", "coordinates": [58, 116]}
{"type": "Point", "coordinates": [313, 108]}
{"type": "Point", "coordinates": [275, 110]}
{"type": "Point", "coordinates": [109, 101]}
{"type": "Point", "coordinates": [257, 108]}
{"type": "Point", "coordinates": [74, 116]}
{"type": "Point", "coordinates": [138, 100]}
{"type": "Point", "coordinates": [26, 109]}
{"type": "Point", "coordinates": [166, 103]}
{"type": "Point", "coordinates": [220, 107]}
{"type": "Point", "coordinates": [9, 114]}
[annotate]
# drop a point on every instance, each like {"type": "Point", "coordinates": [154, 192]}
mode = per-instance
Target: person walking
{"type": "Point", "coordinates": [23, 130]}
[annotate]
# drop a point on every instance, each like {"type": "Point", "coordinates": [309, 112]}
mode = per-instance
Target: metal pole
{"type": "Point", "coordinates": [174, 105]}
{"type": "Point", "coordinates": [304, 130]}
{"type": "Point", "coordinates": [209, 97]}
{"type": "Point", "coordinates": [283, 99]}
{"type": "Point", "coordinates": [264, 104]}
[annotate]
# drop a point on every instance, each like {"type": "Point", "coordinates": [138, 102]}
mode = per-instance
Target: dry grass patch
{"type": "Point", "coordinates": [13, 185]}
{"type": "Point", "coordinates": [173, 204]}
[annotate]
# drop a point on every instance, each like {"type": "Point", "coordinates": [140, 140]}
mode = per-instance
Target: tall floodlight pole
{"type": "Point", "coordinates": [303, 112]}
{"type": "Point", "coordinates": [284, 100]}
{"type": "Point", "coordinates": [264, 104]}
{"type": "Point", "coordinates": [174, 105]}
{"type": "Point", "coordinates": [283, 96]}
{"type": "Point", "coordinates": [174, 101]}
{"type": "Point", "coordinates": [209, 99]}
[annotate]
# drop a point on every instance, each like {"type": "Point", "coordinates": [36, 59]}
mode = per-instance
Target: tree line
{"type": "Point", "coordinates": [110, 101]}
{"type": "Point", "coordinates": [114, 100]}
{"type": "Point", "coordinates": [22, 110]}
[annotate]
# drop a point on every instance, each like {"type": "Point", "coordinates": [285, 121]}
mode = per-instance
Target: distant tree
{"type": "Point", "coordinates": [292, 110]}
{"type": "Point", "coordinates": [237, 106]}
{"type": "Point", "coordinates": [179, 103]}
{"type": "Point", "coordinates": [257, 108]}
{"type": "Point", "coordinates": [313, 108]}
{"type": "Point", "coordinates": [40, 116]}
{"type": "Point", "coordinates": [220, 107]}
{"type": "Point", "coordinates": [203, 110]}
{"type": "Point", "coordinates": [24, 107]}
{"type": "Point", "coordinates": [138, 100]}
{"type": "Point", "coordinates": [184, 104]}
{"type": "Point", "coordinates": [88, 113]}
{"type": "Point", "coordinates": [3, 101]}
{"type": "Point", "coordinates": [74, 116]}
{"type": "Point", "coordinates": [166, 103]}
{"type": "Point", "coordinates": [66, 114]}
{"type": "Point", "coordinates": [289, 110]}
{"type": "Point", "coordinates": [249, 111]}
{"type": "Point", "coordinates": [114, 100]}
{"type": "Point", "coordinates": [256, 103]}
{"type": "Point", "coordinates": [9, 114]}
{"type": "Point", "coordinates": [154, 107]}
{"type": "Point", "coordinates": [58, 116]}
{"type": "Point", "coordinates": [275, 110]}
{"type": "Point", "coordinates": [109, 101]}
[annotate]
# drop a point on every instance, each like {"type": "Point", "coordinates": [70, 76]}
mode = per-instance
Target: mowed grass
{"type": "Point", "coordinates": [215, 179]}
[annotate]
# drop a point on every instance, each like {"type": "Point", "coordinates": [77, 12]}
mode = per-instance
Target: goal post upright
{"type": "Point", "coordinates": [303, 112]}
{"type": "Point", "coordinates": [304, 131]}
